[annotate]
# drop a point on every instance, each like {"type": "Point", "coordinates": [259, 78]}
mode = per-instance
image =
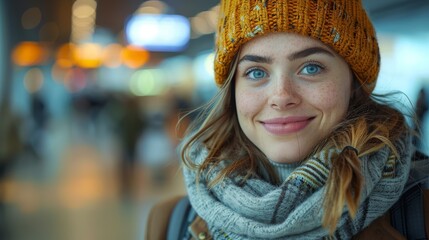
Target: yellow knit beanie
{"type": "Point", "coordinates": [341, 24]}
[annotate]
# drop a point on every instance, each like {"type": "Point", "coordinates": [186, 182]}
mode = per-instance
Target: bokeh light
{"type": "Point", "coordinates": [29, 54]}
{"type": "Point", "coordinates": [31, 18]}
{"type": "Point", "coordinates": [33, 80]}
{"type": "Point", "coordinates": [147, 82]}
{"type": "Point", "coordinates": [65, 55]}
{"type": "Point", "coordinates": [88, 55]}
{"type": "Point", "coordinates": [112, 55]}
{"type": "Point", "coordinates": [134, 57]}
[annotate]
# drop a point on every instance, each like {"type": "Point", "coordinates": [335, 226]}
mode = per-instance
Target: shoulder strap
{"type": "Point", "coordinates": [159, 217]}
{"type": "Point", "coordinates": [182, 216]}
{"type": "Point", "coordinates": [410, 214]}
{"type": "Point", "coordinates": [186, 224]}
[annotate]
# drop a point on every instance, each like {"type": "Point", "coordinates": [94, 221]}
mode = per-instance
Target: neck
{"type": "Point", "coordinates": [283, 170]}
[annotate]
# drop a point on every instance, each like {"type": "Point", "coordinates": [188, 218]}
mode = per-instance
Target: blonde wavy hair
{"type": "Point", "coordinates": [370, 125]}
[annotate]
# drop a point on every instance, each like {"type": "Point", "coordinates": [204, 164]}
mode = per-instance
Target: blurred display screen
{"type": "Point", "coordinates": [164, 33]}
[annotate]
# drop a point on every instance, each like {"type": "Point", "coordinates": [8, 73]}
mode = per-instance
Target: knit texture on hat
{"type": "Point", "coordinates": [341, 24]}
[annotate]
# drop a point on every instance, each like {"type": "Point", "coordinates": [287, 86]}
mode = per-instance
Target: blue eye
{"type": "Point", "coordinates": [311, 69]}
{"type": "Point", "coordinates": [256, 74]}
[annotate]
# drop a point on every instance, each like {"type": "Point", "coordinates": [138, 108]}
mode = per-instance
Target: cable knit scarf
{"type": "Point", "coordinates": [256, 209]}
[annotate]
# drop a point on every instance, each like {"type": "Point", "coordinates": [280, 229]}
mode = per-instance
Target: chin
{"type": "Point", "coordinates": [291, 152]}
{"type": "Point", "coordinates": [284, 154]}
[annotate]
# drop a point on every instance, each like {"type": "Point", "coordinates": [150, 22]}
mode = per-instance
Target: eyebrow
{"type": "Point", "coordinates": [293, 56]}
{"type": "Point", "coordinates": [255, 58]}
{"type": "Point", "coordinates": [308, 52]}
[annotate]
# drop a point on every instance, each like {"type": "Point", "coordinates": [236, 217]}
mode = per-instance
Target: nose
{"type": "Point", "coordinates": [284, 94]}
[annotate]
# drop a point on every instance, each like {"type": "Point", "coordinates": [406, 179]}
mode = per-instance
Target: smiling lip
{"type": "Point", "coordinates": [283, 126]}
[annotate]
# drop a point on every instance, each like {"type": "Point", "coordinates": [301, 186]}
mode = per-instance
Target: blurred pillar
{"type": "Point", "coordinates": [3, 105]}
{"type": "Point", "coordinates": [5, 94]}
{"type": "Point", "coordinates": [5, 52]}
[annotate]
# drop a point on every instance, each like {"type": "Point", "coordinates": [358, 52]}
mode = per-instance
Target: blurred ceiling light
{"type": "Point", "coordinates": [86, 3]}
{"type": "Point", "coordinates": [83, 19]}
{"type": "Point", "coordinates": [200, 26]}
{"type": "Point", "coordinates": [205, 22]}
{"type": "Point", "coordinates": [88, 55]}
{"type": "Point", "coordinates": [164, 33]}
{"type": "Point", "coordinates": [82, 28]}
{"type": "Point", "coordinates": [31, 18]}
{"type": "Point", "coordinates": [33, 80]}
{"type": "Point", "coordinates": [29, 54]}
{"type": "Point", "coordinates": [155, 4]}
{"type": "Point", "coordinates": [83, 11]}
{"type": "Point", "coordinates": [212, 17]}
{"type": "Point", "coordinates": [81, 35]}
{"type": "Point", "coordinates": [83, 22]}
{"type": "Point", "coordinates": [49, 32]}
{"type": "Point", "coordinates": [65, 55]}
{"type": "Point", "coordinates": [215, 8]}
{"type": "Point", "coordinates": [134, 56]}
{"type": "Point", "coordinates": [82, 31]}
{"type": "Point", "coordinates": [149, 10]}
{"type": "Point", "coordinates": [112, 55]}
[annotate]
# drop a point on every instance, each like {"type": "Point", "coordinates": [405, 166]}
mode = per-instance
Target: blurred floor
{"type": "Point", "coordinates": [70, 189]}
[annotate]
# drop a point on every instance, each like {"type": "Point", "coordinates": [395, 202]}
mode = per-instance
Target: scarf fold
{"type": "Point", "coordinates": [256, 209]}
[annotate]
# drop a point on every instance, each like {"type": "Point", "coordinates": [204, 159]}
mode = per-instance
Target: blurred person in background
{"type": "Point", "coordinates": [86, 110]}
{"type": "Point", "coordinates": [130, 126]}
{"type": "Point", "coordinates": [296, 145]}
{"type": "Point", "coordinates": [39, 116]}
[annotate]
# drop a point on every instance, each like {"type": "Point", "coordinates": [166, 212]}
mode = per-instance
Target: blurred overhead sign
{"type": "Point", "coordinates": [158, 32]}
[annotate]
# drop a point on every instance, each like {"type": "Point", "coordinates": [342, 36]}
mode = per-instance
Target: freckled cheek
{"type": "Point", "coordinates": [248, 104]}
{"type": "Point", "coordinates": [331, 100]}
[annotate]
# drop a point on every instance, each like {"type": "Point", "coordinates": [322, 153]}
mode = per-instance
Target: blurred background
{"type": "Point", "coordinates": [91, 93]}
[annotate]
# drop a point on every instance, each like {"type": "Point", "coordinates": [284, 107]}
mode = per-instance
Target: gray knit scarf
{"type": "Point", "coordinates": [257, 209]}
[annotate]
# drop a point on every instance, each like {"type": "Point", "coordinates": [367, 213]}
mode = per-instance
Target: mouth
{"type": "Point", "coordinates": [284, 126]}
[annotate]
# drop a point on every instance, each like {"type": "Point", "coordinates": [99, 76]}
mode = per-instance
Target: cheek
{"type": "Point", "coordinates": [332, 99]}
{"type": "Point", "coordinates": [248, 104]}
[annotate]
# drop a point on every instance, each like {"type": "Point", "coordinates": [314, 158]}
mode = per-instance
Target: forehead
{"type": "Point", "coordinates": [281, 42]}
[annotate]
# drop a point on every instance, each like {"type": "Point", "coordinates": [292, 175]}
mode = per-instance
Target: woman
{"type": "Point", "coordinates": [295, 145]}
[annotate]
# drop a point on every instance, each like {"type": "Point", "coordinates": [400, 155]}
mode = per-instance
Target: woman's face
{"type": "Point", "coordinates": [290, 92]}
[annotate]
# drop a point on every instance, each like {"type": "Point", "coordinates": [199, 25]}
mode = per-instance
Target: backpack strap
{"type": "Point", "coordinates": [180, 220]}
{"type": "Point", "coordinates": [199, 229]}
{"type": "Point", "coordinates": [158, 218]}
{"type": "Point", "coordinates": [410, 214]}
{"type": "Point", "coordinates": [185, 223]}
